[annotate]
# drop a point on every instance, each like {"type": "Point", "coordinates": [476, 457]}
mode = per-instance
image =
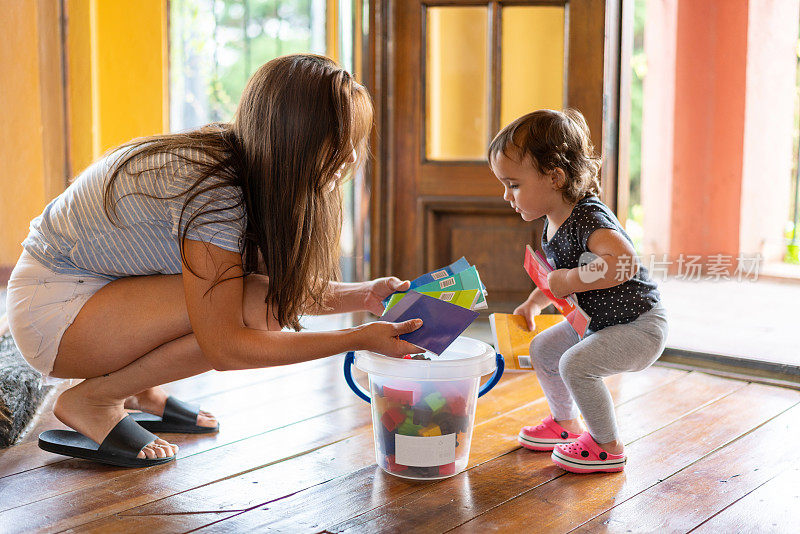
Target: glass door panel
{"type": "Point", "coordinates": [457, 64]}
{"type": "Point", "coordinates": [532, 64]}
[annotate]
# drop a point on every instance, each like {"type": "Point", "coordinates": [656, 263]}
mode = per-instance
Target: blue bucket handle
{"type": "Point", "coordinates": [496, 376]}
{"type": "Point", "coordinates": [349, 359]}
{"type": "Point", "coordinates": [362, 393]}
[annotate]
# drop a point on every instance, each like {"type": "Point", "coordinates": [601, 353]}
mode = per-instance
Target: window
{"type": "Point", "coordinates": [215, 45]}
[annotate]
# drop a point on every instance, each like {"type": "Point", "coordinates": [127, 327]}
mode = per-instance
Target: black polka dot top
{"type": "Point", "coordinates": [616, 305]}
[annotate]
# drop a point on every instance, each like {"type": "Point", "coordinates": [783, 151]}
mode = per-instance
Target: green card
{"type": "Point", "coordinates": [467, 279]}
{"type": "Point", "coordinates": [465, 298]}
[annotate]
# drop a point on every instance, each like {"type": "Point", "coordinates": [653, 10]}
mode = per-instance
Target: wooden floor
{"type": "Point", "coordinates": [295, 454]}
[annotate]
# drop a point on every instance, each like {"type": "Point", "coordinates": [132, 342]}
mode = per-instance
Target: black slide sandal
{"type": "Point", "coordinates": [179, 418]}
{"type": "Point", "coordinates": [120, 447]}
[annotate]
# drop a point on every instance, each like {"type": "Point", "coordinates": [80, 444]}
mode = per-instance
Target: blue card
{"type": "Point", "coordinates": [457, 266]}
{"type": "Point", "coordinates": [442, 322]}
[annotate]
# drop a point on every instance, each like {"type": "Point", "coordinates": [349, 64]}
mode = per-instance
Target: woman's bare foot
{"type": "Point", "coordinates": [95, 418]}
{"type": "Point", "coordinates": [153, 400]}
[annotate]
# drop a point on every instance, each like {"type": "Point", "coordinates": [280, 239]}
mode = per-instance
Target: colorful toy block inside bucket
{"type": "Point", "coordinates": [423, 411]}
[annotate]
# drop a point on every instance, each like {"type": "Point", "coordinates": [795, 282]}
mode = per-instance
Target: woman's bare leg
{"type": "Point", "coordinates": [95, 405]}
{"type": "Point", "coordinates": [153, 400]}
{"type": "Point", "coordinates": [130, 337]}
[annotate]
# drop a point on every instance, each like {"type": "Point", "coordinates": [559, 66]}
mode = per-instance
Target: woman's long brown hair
{"type": "Point", "coordinates": [298, 121]}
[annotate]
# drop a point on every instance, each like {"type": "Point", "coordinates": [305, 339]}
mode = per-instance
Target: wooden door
{"type": "Point", "coordinates": [447, 76]}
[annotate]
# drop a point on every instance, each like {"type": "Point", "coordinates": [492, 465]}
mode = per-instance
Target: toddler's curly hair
{"type": "Point", "coordinates": [553, 139]}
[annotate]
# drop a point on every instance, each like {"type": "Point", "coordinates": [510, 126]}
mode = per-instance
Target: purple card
{"type": "Point", "coordinates": [442, 322]}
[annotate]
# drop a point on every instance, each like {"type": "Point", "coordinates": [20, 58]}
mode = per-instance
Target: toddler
{"type": "Point", "coordinates": [546, 164]}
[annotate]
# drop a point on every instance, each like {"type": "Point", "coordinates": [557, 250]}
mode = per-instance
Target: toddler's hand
{"type": "Point", "coordinates": [529, 310]}
{"type": "Point", "coordinates": [382, 337]}
{"type": "Point", "coordinates": [557, 281]}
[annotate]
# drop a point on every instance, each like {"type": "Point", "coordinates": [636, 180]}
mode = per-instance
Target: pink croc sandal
{"type": "Point", "coordinates": [545, 436]}
{"type": "Point", "coordinates": [586, 456]}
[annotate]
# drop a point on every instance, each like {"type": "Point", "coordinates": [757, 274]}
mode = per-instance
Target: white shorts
{"type": "Point", "coordinates": [41, 305]}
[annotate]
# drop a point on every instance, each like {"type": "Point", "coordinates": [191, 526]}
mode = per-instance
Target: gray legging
{"type": "Point", "coordinates": [570, 370]}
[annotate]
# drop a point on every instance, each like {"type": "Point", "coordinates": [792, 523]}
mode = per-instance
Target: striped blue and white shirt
{"type": "Point", "coordinates": [75, 236]}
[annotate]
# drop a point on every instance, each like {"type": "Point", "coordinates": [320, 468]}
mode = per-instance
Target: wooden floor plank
{"type": "Point", "coordinates": [77, 480]}
{"type": "Point", "coordinates": [498, 481]}
{"type": "Point", "coordinates": [100, 497]}
{"type": "Point", "coordinates": [126, 489]}
{"type": "Point", "coordinates": [223, 495]}
{"type": "Point", "coordinates": [152, 524]}
{"type": "Point", "coordinates": [220, 387]}
{"type": "Point", "coordinates": [325, 505]}
{"type": "Point", "coordinates": [773, 507]}
{"type": "Point", "coordinates": [510, 393]}
{"type": "Point", "coordinates": [574, 499]}
{"type": "Point", "coordinates": [196, 388]}
{"type": "Point", "coordinates": [280, 404]}
{"type": "Point", "coordinates": [695, 494]}
{"type": "Point", "coordinates": [296, 454]}
{"type": "Point", "coordinates": [259, 487]}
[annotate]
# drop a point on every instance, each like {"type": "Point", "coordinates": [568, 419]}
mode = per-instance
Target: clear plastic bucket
{"type": "Point", "coordinates": [423, 411]}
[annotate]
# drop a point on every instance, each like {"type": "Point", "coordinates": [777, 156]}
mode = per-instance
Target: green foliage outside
{"type": "Point", "coordinates": [216, 45]}
{"type": "Point", "coordinates": [273, 28]}
{"type": "Point", "coordinates": [638, 71]}
{"type": "Point", "coordinates": [792, 231]}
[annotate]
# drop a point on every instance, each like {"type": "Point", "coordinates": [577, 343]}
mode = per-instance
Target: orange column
{"type": "Point", "coordinates": [709, 125]}
{"type": "Point", "coordinates": [717, 127]}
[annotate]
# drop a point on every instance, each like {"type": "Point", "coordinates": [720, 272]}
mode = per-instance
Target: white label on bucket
{"type": "Point", "coordinates": [418, 451]}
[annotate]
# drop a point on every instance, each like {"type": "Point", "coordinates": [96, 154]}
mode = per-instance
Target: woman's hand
{"type": "Point", "coordinates": [382, 337]}
{"type": "Point", "coordinates": [529, 310]}
{"type": "Point", "coordinates": [558, 283]}
{"type": "Point", "coordinates": [380, 288]}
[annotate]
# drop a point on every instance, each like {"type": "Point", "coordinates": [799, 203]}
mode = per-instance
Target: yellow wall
{"type": "Point", "coordinates": [118, 74]}
{"type": "Point", "coordinates": [532, 73]}
{"type": "Point", "coordinates": [79, 89]}
{"type": "Point", "coordinates": [22, 194]}
{"type": "Point", "coordinates": [116, 90]}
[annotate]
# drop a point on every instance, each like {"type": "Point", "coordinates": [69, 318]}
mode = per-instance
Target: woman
{"type": "Point", "coordinates": [181, 253]}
